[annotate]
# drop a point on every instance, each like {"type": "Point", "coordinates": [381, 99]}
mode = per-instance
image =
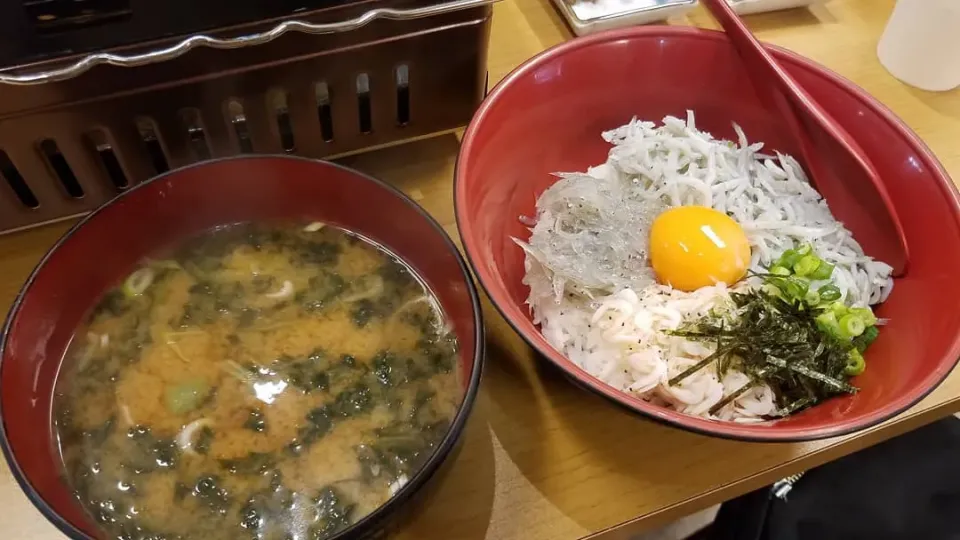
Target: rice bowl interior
{"type": "Point", "coordinates": [547, 115]}
{"type": "Point", "coordinates": [598, 301]}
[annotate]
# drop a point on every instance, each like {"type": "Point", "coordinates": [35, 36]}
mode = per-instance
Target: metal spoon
{"type": "Point", "coordinates": [837, 166]}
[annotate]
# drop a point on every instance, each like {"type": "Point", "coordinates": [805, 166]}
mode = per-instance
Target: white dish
{"type": "Point", "coordinates": [610, 14]}
{"type": "Point", "coordinates": [589, 16]}
{"type": "Point", "coordinates": [746, 7]}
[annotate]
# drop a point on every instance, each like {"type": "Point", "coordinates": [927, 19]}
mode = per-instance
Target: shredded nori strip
{"type": "Point", "coordinates": [773, 342]}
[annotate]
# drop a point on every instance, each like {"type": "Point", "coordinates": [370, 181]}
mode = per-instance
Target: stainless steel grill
{"type": "Point", "coordinates": [74, 133]}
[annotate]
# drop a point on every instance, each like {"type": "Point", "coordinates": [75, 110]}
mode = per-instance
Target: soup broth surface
{"type": "Point", "coordinates": [263, 382]}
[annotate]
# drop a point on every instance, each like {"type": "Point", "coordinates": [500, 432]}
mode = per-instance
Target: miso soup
{"type": "Point", "coordinates": [268, 382]}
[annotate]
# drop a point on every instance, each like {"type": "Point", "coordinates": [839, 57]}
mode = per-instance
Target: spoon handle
{"type": "Point", "coordinates": [868, 206]}
{"type": "Point", "coordinates": [759, 60]}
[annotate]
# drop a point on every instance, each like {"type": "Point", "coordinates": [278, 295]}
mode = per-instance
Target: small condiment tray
{"type": "Point", "coordinates": [586, 17]}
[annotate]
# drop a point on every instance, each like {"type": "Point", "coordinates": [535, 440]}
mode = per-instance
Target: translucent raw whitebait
{"type": "Point", "coordinates": [591, 288]}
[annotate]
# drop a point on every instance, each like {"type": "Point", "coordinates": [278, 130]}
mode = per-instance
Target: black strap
{"type": "Point", "coordinates": [907, 488]}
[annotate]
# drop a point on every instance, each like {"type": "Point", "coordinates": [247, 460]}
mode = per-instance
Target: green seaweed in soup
{"type": "Point", "coordinates": [261, 382]}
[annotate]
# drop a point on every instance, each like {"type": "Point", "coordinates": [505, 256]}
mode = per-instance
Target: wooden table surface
{"type": "Point", "coordinates": [542, 459]}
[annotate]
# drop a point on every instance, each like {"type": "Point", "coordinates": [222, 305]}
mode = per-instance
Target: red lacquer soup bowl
{"type": "Point", "coordinates": [547, 116]}
{"type": "Point", "coordinates": [108, 244]}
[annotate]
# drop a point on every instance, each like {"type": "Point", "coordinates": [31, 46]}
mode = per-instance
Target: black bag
{"type": "Point", "coordinates": [907, 488]}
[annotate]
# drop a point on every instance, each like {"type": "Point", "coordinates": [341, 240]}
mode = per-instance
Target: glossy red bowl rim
{"type": "Point", "coordinates": [408, 490]}
{"type": "Point", "coordinates": [721, 429]}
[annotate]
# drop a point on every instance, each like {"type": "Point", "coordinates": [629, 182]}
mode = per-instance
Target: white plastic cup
{"type": "Point", "coordinates": [921, 44]}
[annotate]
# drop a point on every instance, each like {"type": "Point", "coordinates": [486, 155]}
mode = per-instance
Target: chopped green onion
{"type": "Point", "coordinates": [867, 338]}
{"type": "Point", "coordinates": [779, 270]}
{"type": "Point", "coordinates": [806, 265]}
{"type": "Point", "coordinates": [166, 264]}
{"type": "Point", "coordinates": [186, 396]}
{"type": "Point", "coordinates": [789, 258]}
{"type": "Point", "coordinates": [829, 293]}
{"type": "Point", "coordinates": [839, 309]}
{"type": "Point", "coordinates": [824, 271]}
{"type": "Point", "coordinates": [852, 325]}
{"type": "Point", "coordinates": [855, 363]}
{"type": "Point", "coordinates": [827, 321]}
{"type": "Point", "coordinates": [771, 289]}
{"type": "Point", "coordinates": [866, 315]}
{"type": "Point", "coordinates": [795, 289]}
{"type": "Point", "coordinates": [805, 249]}
{"type": "Point", "coordinates": [138, 282]}
{"type": "Point", "coordinates": [812, 298]}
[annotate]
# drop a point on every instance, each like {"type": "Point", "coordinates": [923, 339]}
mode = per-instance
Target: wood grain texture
{"type": "Point", "coordinates": [541, 459]}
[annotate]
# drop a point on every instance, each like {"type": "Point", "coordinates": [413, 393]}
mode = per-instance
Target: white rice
{"type": "Point", "coordinates": [591, 289]}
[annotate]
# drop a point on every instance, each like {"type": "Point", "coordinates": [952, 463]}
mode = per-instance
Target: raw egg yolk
{"type": "Point", "coordinates": [696, 246]}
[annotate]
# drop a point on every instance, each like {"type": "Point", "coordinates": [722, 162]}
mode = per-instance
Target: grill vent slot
{"type": "Point", "coordinates": [151, 142]}
{"type": "Point", "coordinates": [61, 169]}
{"type": "Point", "coordinates": [238, 121]}
{"type": "Point", "coordinates": [324, 111]}
{"type": "Point", "coordinates": [402, 74]}
{"type": "Point", "coordinates": [363, 103]}
{"type": "Point", "coordinates": [98, 141]}
{"type": "Point", "coordinates": [281, 112]}
{"type": "Point", "coordinates": [192, 122]}
{"type": "Point", "coordinates": [16, 182]}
